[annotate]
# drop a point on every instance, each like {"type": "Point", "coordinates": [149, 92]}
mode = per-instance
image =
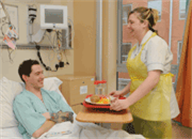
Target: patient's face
{"type": "Point", "coordinates": [36, 77]}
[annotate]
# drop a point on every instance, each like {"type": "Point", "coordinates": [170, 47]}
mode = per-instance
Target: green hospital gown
{"type": "Point", "coordinates": [28, 109]}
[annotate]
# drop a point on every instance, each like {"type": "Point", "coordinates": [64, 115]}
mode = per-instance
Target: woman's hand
{"type": "Point", "coordinates": [119, 104]}
{"type": "Point", "coordinates": [116, 93]}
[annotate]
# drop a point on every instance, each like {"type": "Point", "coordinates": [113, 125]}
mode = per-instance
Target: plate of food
{"type": "Point", "coordinates": [89, 104]}
{"type": "Point", "coordinates": [98, 100]}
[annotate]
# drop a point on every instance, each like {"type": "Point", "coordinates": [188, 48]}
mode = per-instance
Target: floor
{"type": "Point", "coordinates": [179, 132]}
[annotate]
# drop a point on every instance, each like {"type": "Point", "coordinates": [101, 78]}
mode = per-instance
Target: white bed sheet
{"type": "Point", "coordinates": [79, 131]}
{"type": "Point", "coordinates": [88, 131]}
{"type": "Point", "coordinates": [10, 133]}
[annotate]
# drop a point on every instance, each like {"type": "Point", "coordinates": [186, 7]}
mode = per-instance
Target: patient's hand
{"type": "Point", "coordinates": [46, 115]}
{"type": "Point", "coordinates": [62, 116]}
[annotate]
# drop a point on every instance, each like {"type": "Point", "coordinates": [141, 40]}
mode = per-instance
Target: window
{"type": "Point", "coordinates": [179, 49]}
{"type": "Point", "coordinates": [156, 4]}
{"type": "Point", "coordinates": [182, 9]}
{"type": "Point", "coordinates": [122, 83]}
{"type": "Point", "coordinates": [169, 32]}
{"type": "Point", "coordinates": [124, 52]}
{"type": "Point", "coordinates": [126, 9]}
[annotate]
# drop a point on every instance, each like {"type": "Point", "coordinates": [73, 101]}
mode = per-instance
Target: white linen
{"type": "Point", "coordinates": [13, 133]}
{"type": "Point", "coordinates": [8, 90]}
{"type": "Point", "coordinates": [79, 131]}
{"type": "Point", "coordinates": [88, 131]}
{"type": "Point", "coordinates": [10, 133]}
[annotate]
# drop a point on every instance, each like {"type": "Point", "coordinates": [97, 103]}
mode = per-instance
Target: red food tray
{"type": "Point", "coordinates": [97, 106]}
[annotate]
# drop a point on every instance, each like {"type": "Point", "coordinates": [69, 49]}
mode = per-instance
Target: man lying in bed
{"type": "Point", "coordinates": [35, 109]}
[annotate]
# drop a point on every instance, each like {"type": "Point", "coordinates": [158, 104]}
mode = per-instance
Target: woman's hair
{"type": "Point", "coordinates": [25, 68]}
{"type": "Point", "coordinates": [147, 14]}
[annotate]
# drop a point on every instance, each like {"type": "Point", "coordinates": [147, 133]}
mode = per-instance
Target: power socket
{"type": "Point", "coordinates": [61, 64]}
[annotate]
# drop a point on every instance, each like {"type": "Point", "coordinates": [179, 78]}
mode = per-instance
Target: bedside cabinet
{"type": "Point", "coordinates": [76, 88]}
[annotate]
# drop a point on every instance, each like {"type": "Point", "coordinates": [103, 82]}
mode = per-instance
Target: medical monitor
{"type": "Point", "coordinates": [53, 17]}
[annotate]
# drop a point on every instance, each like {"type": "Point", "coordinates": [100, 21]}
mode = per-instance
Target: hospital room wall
{"type": "Point", "coordinates": [82, 57]}
{"type": "Point", "coordinates": [85, 13]}
{"type": "Point", "coordinates": [10, 69]}
{"type": "Point", "coordinates": [85, 37]}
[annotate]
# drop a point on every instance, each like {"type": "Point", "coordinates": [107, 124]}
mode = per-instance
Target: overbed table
{"type": "Point", "coordinates": [104, 116]}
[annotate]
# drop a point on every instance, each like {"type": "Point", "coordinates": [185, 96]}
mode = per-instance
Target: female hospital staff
{"type": "Point", "coordinates": [149, 65]}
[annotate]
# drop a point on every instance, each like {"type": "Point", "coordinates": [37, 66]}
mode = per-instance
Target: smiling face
{"type": "Point", "coordinates": [135, 26]}
{"type": "Point", "coordinates": [36, 77]}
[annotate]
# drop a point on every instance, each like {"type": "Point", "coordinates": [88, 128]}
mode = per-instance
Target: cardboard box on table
{"type": "Point", "coordinates": [76, 88]}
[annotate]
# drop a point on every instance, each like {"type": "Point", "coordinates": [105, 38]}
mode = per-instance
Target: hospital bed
{"type": "Point", "coordinates": [8, 124]}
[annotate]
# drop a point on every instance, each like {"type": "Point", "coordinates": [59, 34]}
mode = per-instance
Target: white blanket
{"type": "Point", "coordinates": [87, 131]}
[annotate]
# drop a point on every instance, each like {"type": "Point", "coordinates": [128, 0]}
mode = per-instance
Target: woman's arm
{"type": "Point", "coordinates": [149, 83]}
{"type": "Point", "coordinates": [121, 92]}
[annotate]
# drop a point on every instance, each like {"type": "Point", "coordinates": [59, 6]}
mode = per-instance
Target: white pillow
{"type": "Point", "coordinates": [10, 133]}
{"type": "Point", "coordinates": [52, 83]}
{"type": "Point", "coordinates": [9, 89]}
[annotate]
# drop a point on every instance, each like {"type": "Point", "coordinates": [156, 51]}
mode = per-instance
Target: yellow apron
{"type": "Point", "coordinates": [153, 109]}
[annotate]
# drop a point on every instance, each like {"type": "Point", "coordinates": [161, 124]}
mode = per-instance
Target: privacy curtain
{"type": "Point", "coordinates": [184, 87]}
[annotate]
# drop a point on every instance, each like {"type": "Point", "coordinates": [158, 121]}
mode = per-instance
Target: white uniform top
{"type": "Point", "coordinates": [156, 54]}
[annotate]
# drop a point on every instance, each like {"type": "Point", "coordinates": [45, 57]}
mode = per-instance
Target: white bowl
{"type": "Point", "coordinates": [111, 98]}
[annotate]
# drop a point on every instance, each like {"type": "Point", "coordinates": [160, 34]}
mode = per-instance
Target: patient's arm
{"type": "Point", "coordinates": [46, 115]}
{"type": "Point", "coordinates": [44, 128]}
{"type": "Point", "coordinates": [56, 118]}
{"type": "Point", "coordinates": [62, 116]}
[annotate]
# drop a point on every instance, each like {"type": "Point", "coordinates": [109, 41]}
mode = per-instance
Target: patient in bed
{"type": "Point", "coordinates": [37, 110]}
{"type": "Point", "coordinates": [42, 113]}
